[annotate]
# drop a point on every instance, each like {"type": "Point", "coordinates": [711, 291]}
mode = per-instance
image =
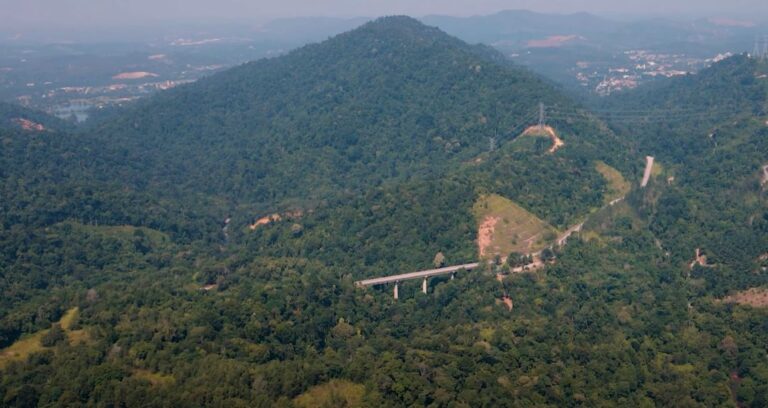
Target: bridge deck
{"type": "Point", "coordinates": [416, 275]}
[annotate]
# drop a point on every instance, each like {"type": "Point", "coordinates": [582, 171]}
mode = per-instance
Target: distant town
{"type": "Point", "coordinates": [74, 102]}
{"type": "Point", "coordinates": [642, 65]}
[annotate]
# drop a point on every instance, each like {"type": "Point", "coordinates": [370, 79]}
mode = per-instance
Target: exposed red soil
{"type": "Point", "coordinates": [28, 125]}
{"type": "Point", "coordinates": [552, 41]}
{"type": "Point", "coordinates": [700, 259]}
{"type": "Point", "coordinates": [557, 143]}
{"type": "Point", "coordinates": [134, 75]}
{"type": "Point", "coordinates": [485, 234]}
{"type": "Point", "coordinates": [275, 218]}
{"type": "Point", "coordinates": [508, 302]}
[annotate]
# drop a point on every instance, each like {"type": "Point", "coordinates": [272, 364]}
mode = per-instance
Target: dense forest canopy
{"type": "Point", "coordinates": [201, 247]}
{"type": "Point", "coordinates": [391, 100]}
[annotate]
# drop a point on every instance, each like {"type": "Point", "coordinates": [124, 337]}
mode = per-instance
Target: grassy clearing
{"type": "Point", "coordinates": [336, 393]}
{"type": "Point", "coordinates": [24, 347]}
{"type": "Point", "coordinates": [505, 227]}
{"type": "Point", "coordinates": [755, 297]}
{"type": "Point", "coordinates": [68, 318]}
{"type": "Point", "coordinates": [74, 336]}
{"type": "Point", "coordinates": [156, 379]}
{"type": "Point", "coordinates": [122, 232]}
{"type": "Point", "coordinates": [78, 336]}
{"type": "Point", "coordinates": [658, 169]}
{"type": "Point", "coordinates": [617, 186]}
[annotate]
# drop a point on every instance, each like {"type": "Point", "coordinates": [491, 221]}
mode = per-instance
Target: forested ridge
{"type": "Point", "coordinates": [391, 100]}
{"type": "Point", "coordinates": [373, 147]}
{"type": "Point", "coordinates": [713, 148]}
{"type": "Point", "coordinates": [10, 114]}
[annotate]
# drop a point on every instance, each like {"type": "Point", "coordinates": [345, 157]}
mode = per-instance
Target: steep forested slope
{"type": "Point", "coordinates": [16, 117]}
{"type": "Point", "coordinates": [384, 130]}
{"type": "Point", "coordinates": [390, 100]}
{"type": "Point", "coordinates": [709, 131]}
{"type": "Point", "coordinates": [671, 118]}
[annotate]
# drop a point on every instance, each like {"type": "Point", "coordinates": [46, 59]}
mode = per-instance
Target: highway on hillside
{"type": "Point", "coordinates": [416, 275]}
{"type": "Point", "coordinates": [648, 170]}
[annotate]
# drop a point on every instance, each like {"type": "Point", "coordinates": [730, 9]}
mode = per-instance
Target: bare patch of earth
{"type": "Point", "coordinates": [276, 217]}
{"type": "Point", "coordinates": [548, 131]}
{"type": "Point", "coordinates": [134, 75]}
{"type": "Point", "coordinates": [29, 125]}
{"type": "Point", "coordinates": [552, 41]}
{"type": "Point", "coordinates": [485, 234]}
{"type": "Point", "coordinates": [755, 297]}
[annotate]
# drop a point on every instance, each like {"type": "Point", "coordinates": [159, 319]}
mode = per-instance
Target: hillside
{"type": "Point", "coordinates": [367, 113]}
{"type": "Point", "coordinates": [690, 107]}
{"type": "Point", "coordinates": [132, 276]}
{"type": "Point", "coordinates": [390, 100]}
{"type": "Point", "coordinates": [709, 131]}
{"type": "Point", "coordinates": [16, 117]}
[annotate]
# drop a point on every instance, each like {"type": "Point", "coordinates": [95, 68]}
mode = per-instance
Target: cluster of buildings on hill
{"type": "Point", "coordinates": [636, 67]}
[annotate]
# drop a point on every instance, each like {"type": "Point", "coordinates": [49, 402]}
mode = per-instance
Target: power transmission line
{"type": "Point", "coordinates": [646, 112]}
{"type": "Point", "coordinates": [764, 55]}
{"type": "Point", "coordinates": [635, 116]}
{"type": "Point", "coordinates": [607, 115]}
{"type": "Point", "coordinates": [639, 111]}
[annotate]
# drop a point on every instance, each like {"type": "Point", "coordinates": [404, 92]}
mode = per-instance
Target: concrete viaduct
{"type": "Point", "coordinates": [396, 279]}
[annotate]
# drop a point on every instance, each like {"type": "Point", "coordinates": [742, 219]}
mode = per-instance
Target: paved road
{"type": "Point", "coordinates": [561, 240]}
{"type": "Point", "coordinates": [564, 238]}
{"type": "Point", "coordinates": [648, 168]}
{"type": "Point", "coordinates": [416, 275]}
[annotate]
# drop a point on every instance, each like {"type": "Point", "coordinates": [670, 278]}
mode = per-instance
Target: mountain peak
{"type": "Point", "coordinates": [397, 22]}
{"type": "Point", "coordinates": [398, 28]}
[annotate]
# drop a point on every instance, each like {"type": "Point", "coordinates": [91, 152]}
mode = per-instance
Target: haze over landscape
{"type": "Point", "coordinates": [383, 204]}
{"type": "Point", "coordinates": [21, 13]}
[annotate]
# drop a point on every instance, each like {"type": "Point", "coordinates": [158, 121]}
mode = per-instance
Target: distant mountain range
{"type": "Point", "coordinates": [516, 28]}
{"type": "Point", "coordinates": [70, 72]}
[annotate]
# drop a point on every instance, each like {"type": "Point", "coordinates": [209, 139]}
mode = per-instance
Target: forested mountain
{"type": "Point", "coordinates": [710, 132]}
{"type": "Point", "coordinates": [389, 100]}
{"type": "Point", "coordinates": [368, 155]}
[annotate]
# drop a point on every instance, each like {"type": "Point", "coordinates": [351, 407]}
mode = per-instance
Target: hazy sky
{"type": "Point", "coordinates": [24, 14]}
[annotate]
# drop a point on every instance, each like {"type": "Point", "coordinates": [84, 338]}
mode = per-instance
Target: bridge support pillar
{"type": "Point", "coordinates": [396, 294]}
{"type": "Point", "coordinates": [453, 275]}
{"type": "Point", "coordinates": [424, 286]}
